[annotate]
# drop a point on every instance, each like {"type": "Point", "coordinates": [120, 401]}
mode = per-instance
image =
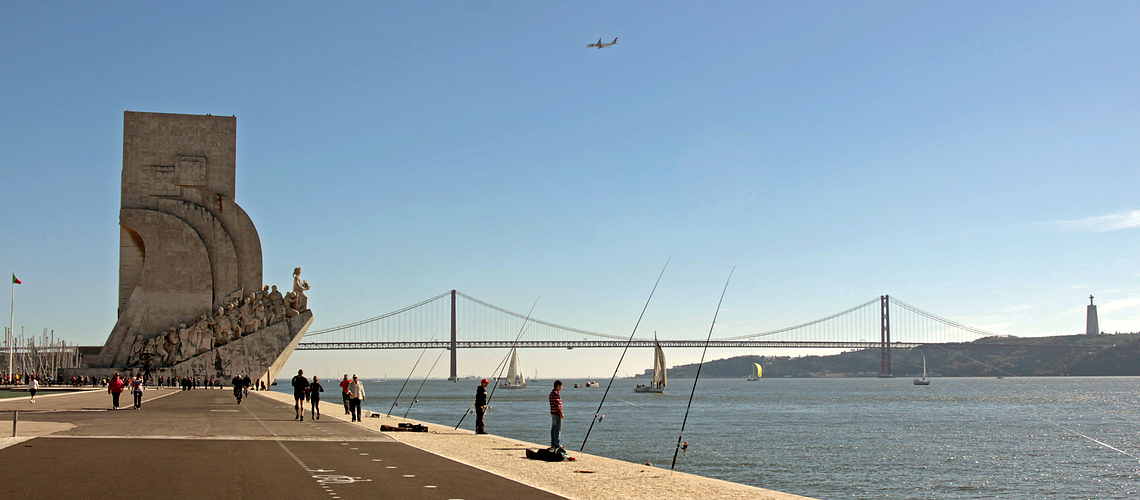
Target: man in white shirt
{"type": "Point", "coordinates": [355, 396]}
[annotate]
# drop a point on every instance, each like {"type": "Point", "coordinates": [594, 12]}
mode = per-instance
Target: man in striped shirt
{"type": "Point", "coordinates": [555, 414]}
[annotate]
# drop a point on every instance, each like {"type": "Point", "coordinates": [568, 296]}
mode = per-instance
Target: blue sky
{"type": "Point", "coordinates": [977, 160]}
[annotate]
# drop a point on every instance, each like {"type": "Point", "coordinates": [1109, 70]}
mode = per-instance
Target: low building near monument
{"type": "Point", "coordinates": [191, 298]}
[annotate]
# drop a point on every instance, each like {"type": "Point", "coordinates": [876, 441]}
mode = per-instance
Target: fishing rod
{"type": "Point", "coordinates": [499, 368]}
{"type": "Point", "coordinates": [415, 399]}
{"type": "Point", "coordinates": [698, 377]}
{"type": "Point", "coordinates": [409, 377]}
{"type": "Point", "coordinates": [616, 368]}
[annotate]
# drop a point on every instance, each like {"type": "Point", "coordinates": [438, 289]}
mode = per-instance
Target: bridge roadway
{"type": "Point", "coordinates": [752, 344]}
{"type": "Point", "coordinates": [201, 444]}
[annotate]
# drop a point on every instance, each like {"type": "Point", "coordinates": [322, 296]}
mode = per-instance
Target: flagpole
{"type": "Point", "coordinates": [11, 325]}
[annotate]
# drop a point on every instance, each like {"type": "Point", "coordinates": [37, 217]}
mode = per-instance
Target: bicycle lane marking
{"type": "Point", "coordinates": [323, 478]}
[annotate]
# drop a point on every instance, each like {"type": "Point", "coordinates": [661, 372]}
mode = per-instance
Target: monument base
{"type": "Point", "coordinates": [260, 355]}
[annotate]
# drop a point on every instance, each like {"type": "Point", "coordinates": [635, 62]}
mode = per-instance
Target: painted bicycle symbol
{"type": "Point", "coordinates": [338, 479]}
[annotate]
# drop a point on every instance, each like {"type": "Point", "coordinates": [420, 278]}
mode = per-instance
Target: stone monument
{"type": "Point", "coordinates": [191, 298]}
{"type": "Point", "coordinates": [1092, 326]}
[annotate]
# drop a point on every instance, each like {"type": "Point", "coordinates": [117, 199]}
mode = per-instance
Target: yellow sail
{"type": "Point", "coordinates": [759, 370]}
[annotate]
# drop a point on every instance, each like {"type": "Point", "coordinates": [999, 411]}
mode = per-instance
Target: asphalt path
{"type": "Point", "coordinates": [202, 444]}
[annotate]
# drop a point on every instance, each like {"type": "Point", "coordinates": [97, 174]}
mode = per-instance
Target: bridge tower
{"type": "Point", "coordinates": [454, 369]}
{"type": "Point", "coordinates": [885, 337]}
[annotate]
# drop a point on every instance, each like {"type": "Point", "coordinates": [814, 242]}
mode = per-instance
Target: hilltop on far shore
{"type": "Point", "coordinates": [1099, 355]}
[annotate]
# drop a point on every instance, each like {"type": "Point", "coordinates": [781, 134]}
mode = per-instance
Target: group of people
{"type": "Point", "coordinates": [241, 387]}
{"type": "Point", "coordinates": [26, 378]}
{"type": "Point", "coordinates": [352, 393]}
{"type": "Point", "coordinates": [118, 384]}
{"type": "Point", "coordinates": [556, 415]}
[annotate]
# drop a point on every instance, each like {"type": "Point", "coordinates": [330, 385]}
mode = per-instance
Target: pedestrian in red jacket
{"type": "Point", "coordinates": [115, 388]}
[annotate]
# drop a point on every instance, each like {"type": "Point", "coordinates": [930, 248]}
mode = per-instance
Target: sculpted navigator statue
{"type": "Point", "coordinates": [300, 301]}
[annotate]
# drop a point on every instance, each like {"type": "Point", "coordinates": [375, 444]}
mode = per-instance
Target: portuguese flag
{"type": "Point", "coordinates": [15, 279]}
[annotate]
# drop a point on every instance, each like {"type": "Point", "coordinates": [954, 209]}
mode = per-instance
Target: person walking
{"type": "Point", "coordinates": [355, 396]}
{"type": "Point", "coordinates": [555, 415]}
{"type": "Point", "coordinates": [115, 389]}
{"type": "Point", "coordinates": [300, 387]}
{"type": "Point", "coordinates": [136, 390]}
{"type": "Point", "coordinates": [480, 406]}
{"type": "Point", "coordinates": [33, 385]}
{"type": "Point", "coordinates": [315, 390]}
{"type": "Point", "coordinates": [344, 392]}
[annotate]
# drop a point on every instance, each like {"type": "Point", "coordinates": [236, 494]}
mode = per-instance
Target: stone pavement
{"type": "Point", "coordinates": [201, 444]}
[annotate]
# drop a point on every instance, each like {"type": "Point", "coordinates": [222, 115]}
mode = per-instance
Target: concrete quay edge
{"type": "Point", "coordinates": [589, 477]}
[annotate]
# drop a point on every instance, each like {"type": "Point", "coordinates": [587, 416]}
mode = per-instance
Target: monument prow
{"type": "Point", "coordinates": [191, 297]}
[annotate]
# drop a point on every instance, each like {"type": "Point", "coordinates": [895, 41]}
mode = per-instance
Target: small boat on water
{"type": "Point", "coordinates": [923, 380]}
{"type": "Point", "coordinates": [658, 384]}
{"type": "Point", "coordinates": [757, 372]}
{"type": "Point", "coordinates": [515, 379]}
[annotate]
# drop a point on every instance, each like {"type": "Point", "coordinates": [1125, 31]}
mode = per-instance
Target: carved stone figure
{"type": "Point", "coordinates": [222, 330]}
{"type": "Point", "coordinates": [291, 305]}
{"type": "Point", "coordinates": [136, 350]}
{"type": "Point", "coordinates": [185, 343]}
{"type": "Point", "coordinates": [248, 321]}
{"type": "Point", "coordinates": [301, 302]}
{"type": "Point", "coordinates": [171, 346]}
{"type": "Point", "coordinates": [234, 315]}
{"type": "Point", "coordinates": [159, 348]}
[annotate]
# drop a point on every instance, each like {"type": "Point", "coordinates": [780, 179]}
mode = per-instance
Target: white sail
{"type": "Point", "coordinates": [659, 376]}
{"type": "Point", "coordinates": [514, 372]}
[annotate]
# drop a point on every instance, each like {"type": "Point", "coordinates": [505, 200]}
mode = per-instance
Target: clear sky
{"type": "Point", "coordinates": [974, 159]}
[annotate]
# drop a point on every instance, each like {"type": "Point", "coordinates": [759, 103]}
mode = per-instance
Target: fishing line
{"type": "Point", "coordinates": [976, 361]}
{"type": "Point", "coordinates": [600, 403]}
{"type": "Point", "coordinates": [701, 365]}
{"type": "Point", "coordinates": [415, 399]}
{"type": "Point", "coordinates": [1106, 445]}
{"type": "Point", "coordinates": [710, 450]}
{"type": "Point", "coordinates": [634, 404]}
{"type": "Point", "coordinates": [410, 376]}
{"type": "Point", "coordinates": [499, 368]}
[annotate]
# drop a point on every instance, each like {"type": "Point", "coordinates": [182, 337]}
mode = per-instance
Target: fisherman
{"type": "Point", "coordinates": [480, 406]}
{"type": "Point", "coordinates": [555, 415]}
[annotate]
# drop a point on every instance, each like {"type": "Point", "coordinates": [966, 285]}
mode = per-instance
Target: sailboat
{"type": "Point", "coordinates": [923, 380]}
{"type": "Point", "coordinates": [755, 375]}
{"type": "Point", "coordinates": [659, 382]}
{"type": "Point", "coordinates": [515, 379]}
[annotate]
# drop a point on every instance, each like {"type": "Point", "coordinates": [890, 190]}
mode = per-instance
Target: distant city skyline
{"type": "Point", "coordinates": [976, 160]}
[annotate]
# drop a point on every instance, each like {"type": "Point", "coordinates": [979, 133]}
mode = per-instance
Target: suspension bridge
{"type": "Point", "coordinates": [884, 323]}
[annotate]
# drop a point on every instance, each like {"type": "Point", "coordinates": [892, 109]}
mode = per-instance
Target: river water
{"type": "Point", "coordinates": [867, 438]}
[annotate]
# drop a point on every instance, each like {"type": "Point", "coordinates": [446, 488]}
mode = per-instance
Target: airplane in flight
{"type": "Point", "coordinates": [601, 45]}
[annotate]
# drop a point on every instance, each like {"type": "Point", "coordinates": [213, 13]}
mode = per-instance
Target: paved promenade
{"type": "Point", "coordinates": [201, 444]}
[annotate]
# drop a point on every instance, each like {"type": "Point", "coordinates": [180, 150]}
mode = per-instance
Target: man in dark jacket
{"type": "Point", "coordinates": [480, 406]}
{"type": "Point", "coordinates": [300, 387]}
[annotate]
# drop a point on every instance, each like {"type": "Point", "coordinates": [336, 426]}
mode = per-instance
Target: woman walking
{"type": "Point", "coordinates": [315, 391]}
{"type": "Point", "coordinates": [136, 389]}
{"type": "Point", "coordinates": [32, 386]}
{"type": "Point", "coordinates": [115, 388]}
